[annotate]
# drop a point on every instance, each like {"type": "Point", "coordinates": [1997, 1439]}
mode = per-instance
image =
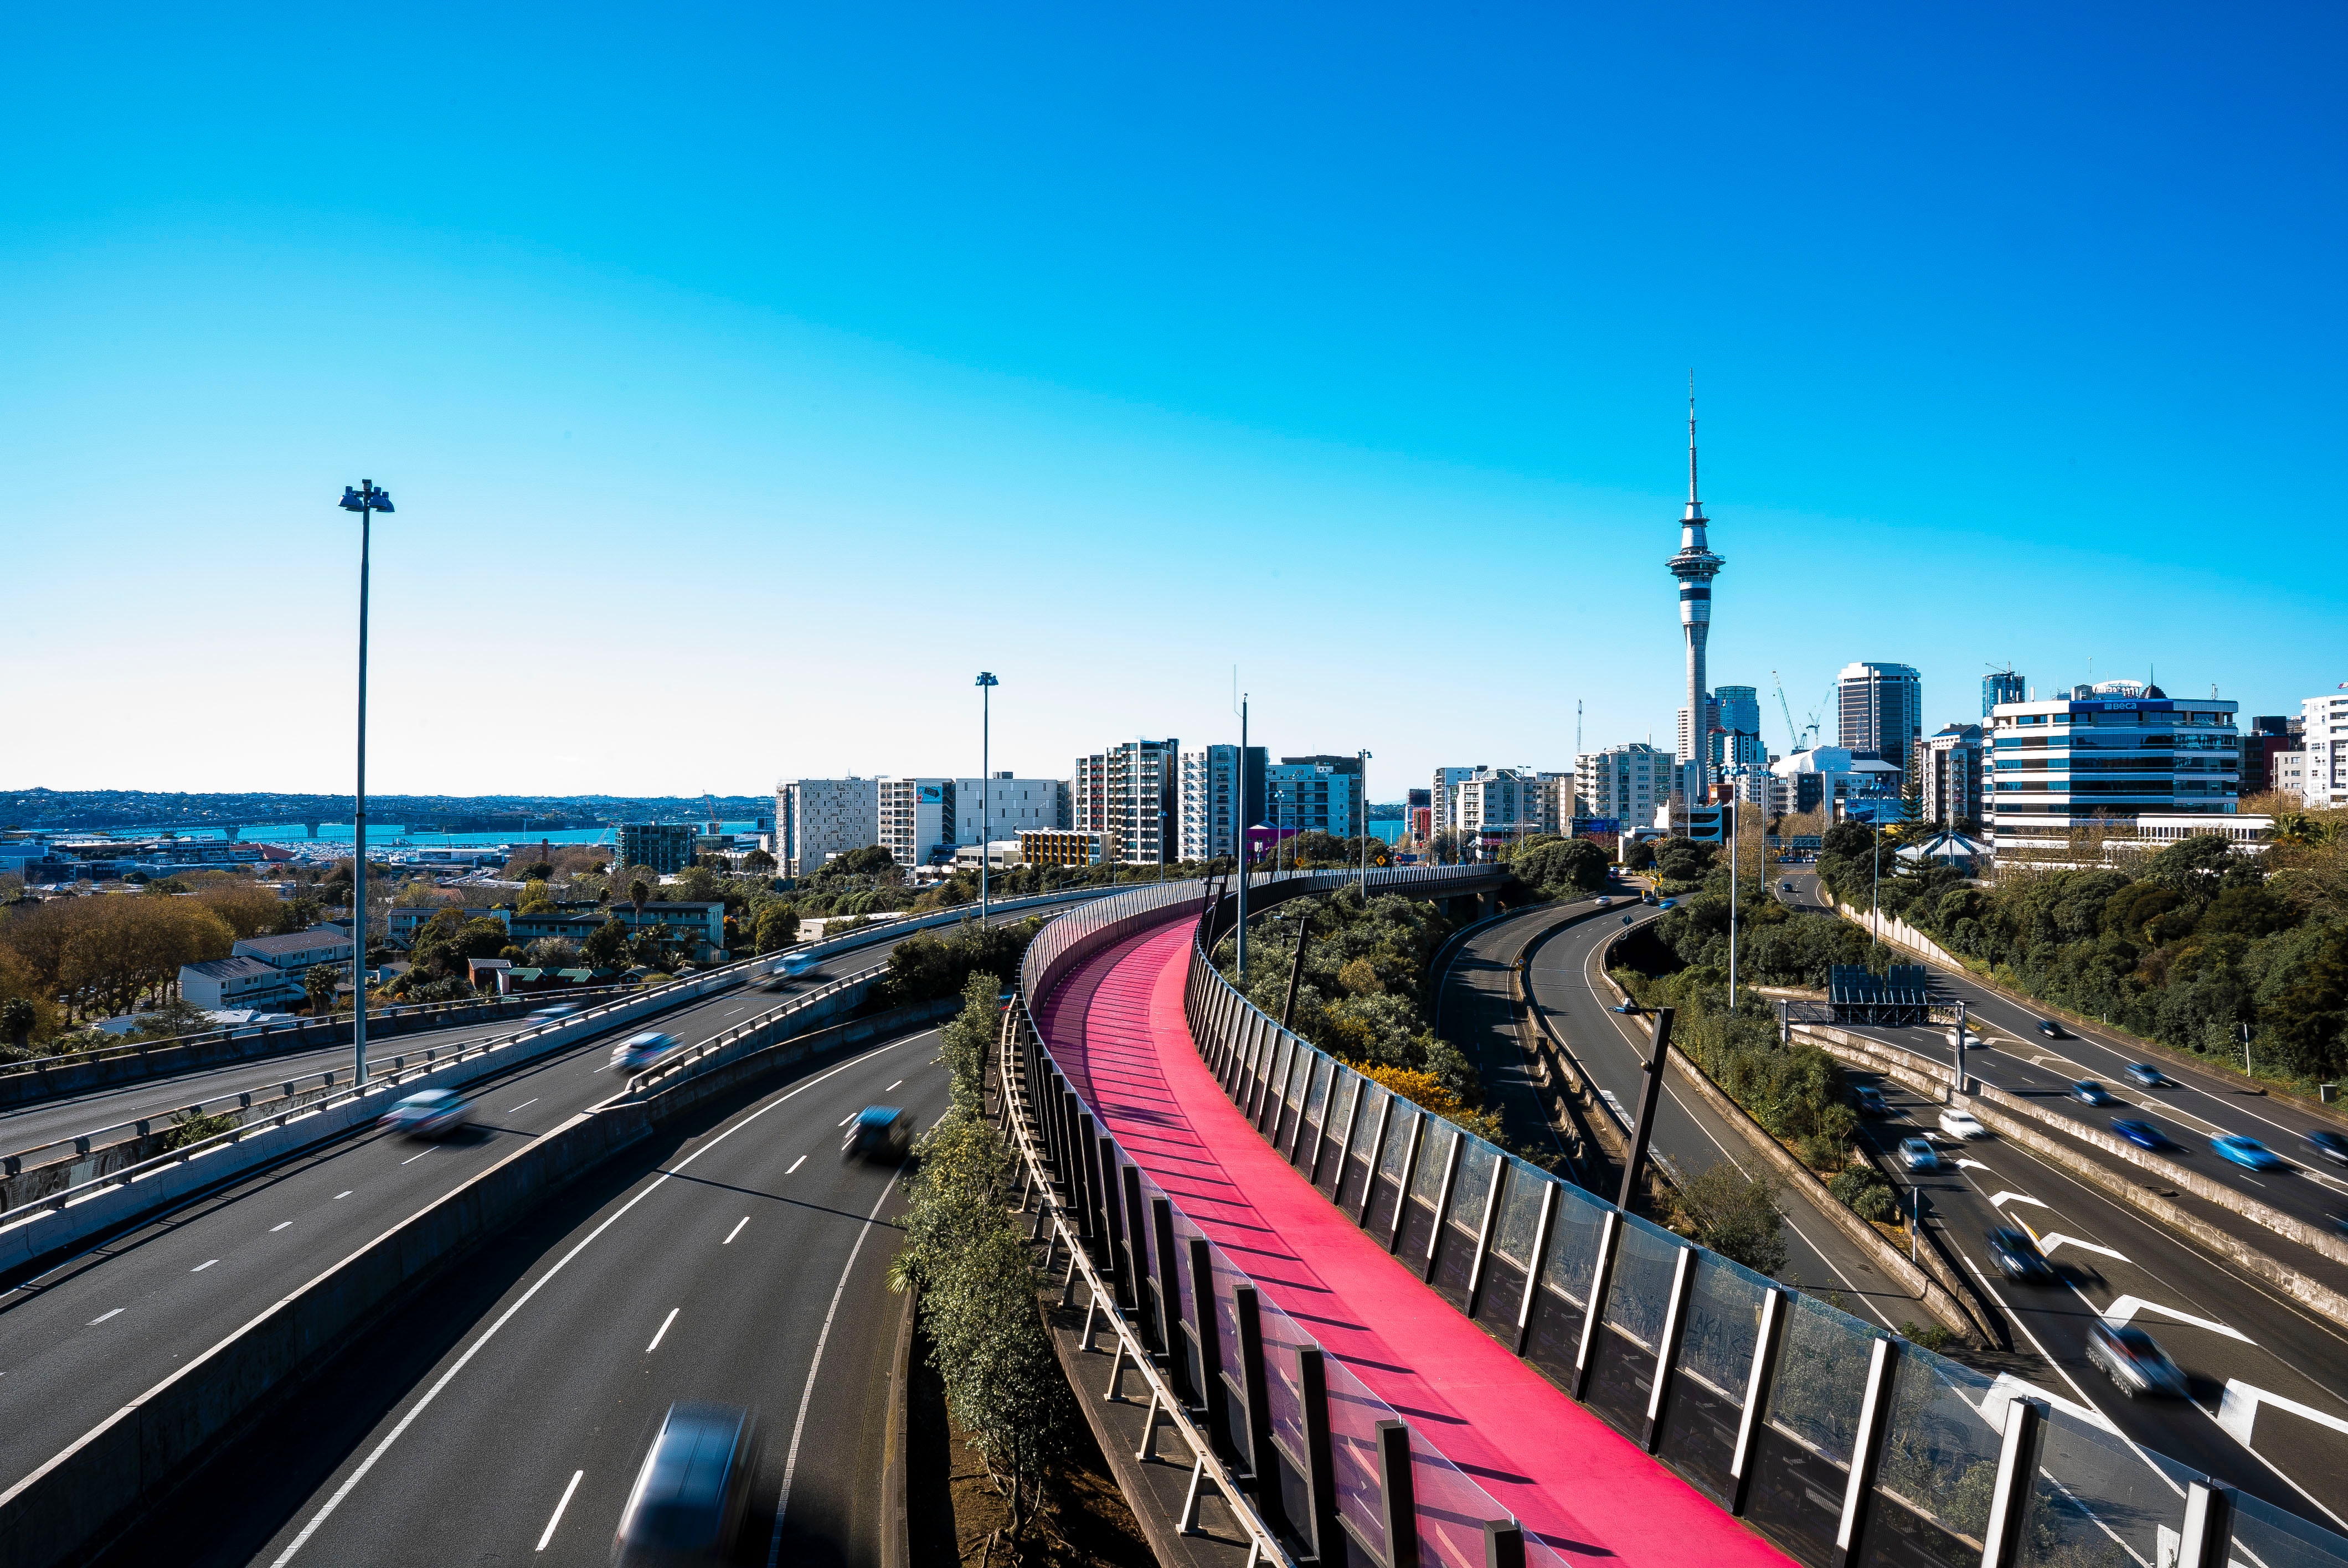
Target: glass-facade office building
{"type": "Point", "coordinates": [2101, 757]}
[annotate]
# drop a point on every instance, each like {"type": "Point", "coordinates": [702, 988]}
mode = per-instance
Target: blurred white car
{"type": "Point", "coordinates": [641, 1050]}
{"type": "Point", "coordinates": [1962, 1124]}
{"type": "Point", "coordinates": [428, 1114]}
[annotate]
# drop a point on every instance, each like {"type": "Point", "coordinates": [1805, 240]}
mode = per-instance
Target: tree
{"type": "Point", "coordinates": [1641, 856]}
{"type": "Point", "coordinates": [1734, 1218]}
{"type": "Point", "coordinates": [553, 953]}
{"type": "Point", "coordinates": [16, 1020]}
{"type": "Point", "coordinates": [1563, 866]}
{"type": "Point", "coordinates": [319, 984]}
{"type": "Point", "coordinates": [638, 893]}
{"type": "Point", "coordinates": [606, 944]}
{"type": "Point", "coordinates": [758, 860]}
{"type": "Point", "coordinates": [535, 899]}
{"type": "Point", "coordinates": [777, 927]}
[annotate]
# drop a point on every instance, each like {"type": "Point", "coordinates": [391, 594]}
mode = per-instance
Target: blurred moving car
{"type": "Point", "coordinates": [1962, 1124]}
{"type": "Point", "coordinates": [2247, 1152]}
{"type": "Point", "coordinates": [642, 1049]}
{"type": "Point", "coordinates": [1918, 1155]}
{"type": "Point", "coordinates": [1625, 1007]}
{"type": "Point", "coordinates": [2145, 1074]}
{"type": "Point", "coordinates": [2143, 1134]}
{"type": "Point", "coordinates": [2087, 1091]}
{"type": "Point", "coordinates": [789, 969]}
{"type": "Point", "coordinates": [2017, 1257]}
{"type": "Point", "coordinates": [1785, 886]}
{"type": "Point", "coordinates": [2129, 1357]}
{"type": "Point", "coordinates": [2331, 1145]}
{"type": "Point", "coordinates": [1669, 903]}
{"type": "Point", "coordinates": [693, 1491]}
{"type": "Point", "coordinates": [428, 1114]}
{"type": "Point", "coordinates": [879, 1132]}
{"type": "Point", "coordinates": [1606, 903]}
{"type": "Point", "coordinates": [2050, 1028]}
{"type": "Point", "coordinates": [553, 1013]}
{"type": "Point", "coordinates": [1870, 1100]}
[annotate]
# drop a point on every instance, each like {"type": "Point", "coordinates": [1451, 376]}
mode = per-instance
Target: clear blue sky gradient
{"type": "Point", "coordinates": [747, 378]}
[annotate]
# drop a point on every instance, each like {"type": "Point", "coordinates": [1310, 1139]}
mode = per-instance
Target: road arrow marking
{"type": "Point", "coordinates": [2049, 1243]}
{"type": "Point", "coordinates": [2127, 1307]}
{"type": "Point", "coordinates": [1999, 1201]}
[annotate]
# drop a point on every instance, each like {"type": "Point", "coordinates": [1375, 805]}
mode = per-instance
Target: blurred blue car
{"type": "Point", "coordinates": [2087, 1091]}
{"type": "Point", "coordinates": [2248, 1151]}
{"type": "Point", "coordinates": [2147, 1074]}
{"type": "Point", "coordinates": [2143, 1134]}
{"type": "Point", "coordinates": [1918, 1155]}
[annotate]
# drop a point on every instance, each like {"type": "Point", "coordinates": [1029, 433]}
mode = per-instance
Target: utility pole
{"type": "Point", "coordinates": [366, 500]}
{"type": "Point", "coordinates": [1239, 813]}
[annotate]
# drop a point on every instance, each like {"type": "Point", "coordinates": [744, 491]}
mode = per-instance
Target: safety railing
{"type": "Point", "coordinates": [1767, 1401]}
{"type": "Point", "coordinates": [715, 1052]}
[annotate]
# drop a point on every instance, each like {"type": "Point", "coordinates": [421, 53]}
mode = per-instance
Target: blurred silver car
{"type": "Point", "coordinates": [428, 1114]}
{"type": "Point", "coordinates": [642, 1049]}
{"type": "Point", "coordinates": [695, 1489]}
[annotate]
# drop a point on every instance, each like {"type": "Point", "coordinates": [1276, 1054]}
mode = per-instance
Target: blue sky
{"type": "Point", "coordinates": [747, 378]}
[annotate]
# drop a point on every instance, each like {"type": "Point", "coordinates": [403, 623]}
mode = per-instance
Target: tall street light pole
{"type": "Point", "coordinates": [1365, 786]}
{"type": "Point", "coordinates": [986, 685]}
{"type": "Point", "coordinates": [366, 500]}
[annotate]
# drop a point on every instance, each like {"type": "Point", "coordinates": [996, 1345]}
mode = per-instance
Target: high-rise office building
{"type": "Point", "coordinates": [2268, 735]}
{"type": "Point", "coordinates": [2102, 756]}
{"type": "Point", "coordinates": [1002, 808]}
{"type": "Point", "coordinates": [1130, 792]}
{"type": "Point", "coordinates": [816, 819]}
{"type": "Point", "coordinates": [1880, 710]}
{"type": "Point", "coordinates": [1736, 728]}
{"type": "Point", "coordinates": [2001, 686]}
{"type": "Point", "coordinates": [1217, 805]}
{"type": "Point", "coordinates": [1695, 565]}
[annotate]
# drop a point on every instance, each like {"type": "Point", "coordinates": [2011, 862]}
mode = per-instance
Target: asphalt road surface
{"type": "Point", "coordinates": [745, 1263]}
{"type": "Point", "coordinates": [83, 1338]}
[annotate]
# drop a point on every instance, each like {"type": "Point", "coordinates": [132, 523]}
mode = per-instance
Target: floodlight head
{"type": "Point", "coordinates": [351, 501]}
{"type": "Point", "coordinates": [987, 678]}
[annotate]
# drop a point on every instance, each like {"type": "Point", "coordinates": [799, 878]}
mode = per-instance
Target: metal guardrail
{"type": "Point", "coordinates": [676, 1061]}
{"type": "Point", "coordinates": [1100, 1303]}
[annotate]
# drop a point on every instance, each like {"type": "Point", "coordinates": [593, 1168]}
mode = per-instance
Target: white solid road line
{"type": "Point", "coordinates": [899, 1084]}
{"type": "Point", "coordinates": [791, 1461]}
{"type": "Point", "coordinates": [737, 1228]}
{"type": "Point", "coordinates": [548, 1534]}
{"type": "Point", "coordinates": [796, 1164]}
{"type": "Point", "coordinates": [413, 1158]}
{"type": "Point", "coordinates": [846, 1119]}
{"type": "Point", "coordinates": [201, 1266]}
{"type": "Point", "coordinates": [275, 1228]}
{"type": "Point", "coordinates": [345, 1193]}
{"type": "Point", "coordinates": [662, 1333]}
{"type": "Point", "coordinates": [102, 1318]}
{"type": "Point", "coordinates": [383, 1448]}
{"type": "Point", "coordinates": [525, 1104]}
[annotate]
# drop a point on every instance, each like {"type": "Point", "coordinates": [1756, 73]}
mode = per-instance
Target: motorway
{"type": "Point", "coordinates": [88, 1335]}
{"type": "Point", "coordinates": [2269, 1405]}
{"type": "Point", "coordinates": [746, 1264]}
{"type": "Point", "coordinates": [1564, 982]}
{"type": "Point", "coordinates": [2200, 1105]}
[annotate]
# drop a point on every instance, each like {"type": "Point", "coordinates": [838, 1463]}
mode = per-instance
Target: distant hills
{"type": "Point", "coordinates": [59, 810]}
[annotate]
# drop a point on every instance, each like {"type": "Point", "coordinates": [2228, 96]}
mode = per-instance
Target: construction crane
{"type": "Point", "coordinates": [1793, 735]}
{"type": "Point", "coordinates": [711, 802]}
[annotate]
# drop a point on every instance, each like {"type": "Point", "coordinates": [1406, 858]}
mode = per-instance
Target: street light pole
{"type": "Point", "coordinates": [1364, 785]}
{"type": "Point", "coordinates": [986, 685]}
{"type": "Point", "coordinates": [366, 500]}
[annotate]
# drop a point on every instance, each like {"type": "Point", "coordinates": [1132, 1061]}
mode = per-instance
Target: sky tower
{"type": "Point", "coordinates": [1695, 566]}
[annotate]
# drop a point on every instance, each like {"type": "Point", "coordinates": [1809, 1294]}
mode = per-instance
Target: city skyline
{"type": "Point", "coordinates": [665, 372]}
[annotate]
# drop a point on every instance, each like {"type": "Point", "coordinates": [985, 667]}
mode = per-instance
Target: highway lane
{"type": "Point", "coordinates": [2284, 1370]}
{"type": "Point", "coordinates": [2202, 1104]}
{"type": "Point", "coordinates": [746, 1264]}
{"type": "Point", "coordinates": [1564, 982]}
{"type": "Point", "coordinates": [88, 1335]}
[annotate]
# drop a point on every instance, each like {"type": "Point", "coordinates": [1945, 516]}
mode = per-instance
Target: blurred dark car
{"type": "Point", "coordinates": [2017, 1257]}
{"type": "Point", "coordinates": [2131, 1358]}
{"type": "Point", "coordinates": [879, 1132]}
{"type": "Point", "coordinates": [428, 1114]}
{"type": "Point", "coordinates": [555, 1013]}
{"type": "Point", "coordinates": [2143, 1134]}
{"type": "Point", "coordinates": [2332, 1146]}
{"type": "Point", "coordinates": [693, 1491]}
{"type": "Point", "coordinates": [2087, 1091]}
{"type": "Point", "coordinates": [2147, 1074]}
{"type": "Point", "coordinates": [640, 1051]}
{"type": "Point", "coordinates": [1870, 1100]}
{"type": "Point", "coordinates": [2050, 1028]}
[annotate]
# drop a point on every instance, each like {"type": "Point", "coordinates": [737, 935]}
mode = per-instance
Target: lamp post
{"type": "Point", "coordinates": [986, 685]}
{"type": "Point", "coordinates": [1362, 784]}
{"type": "Point", "coordinates": [366, 500]}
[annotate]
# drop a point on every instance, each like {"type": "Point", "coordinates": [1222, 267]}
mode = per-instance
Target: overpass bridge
{"type": "Point", "coordinates": [1411, 1346]}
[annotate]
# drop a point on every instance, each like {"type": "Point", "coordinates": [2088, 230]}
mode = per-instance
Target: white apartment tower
{"type": "Point", "coordinates": [2323, 778]}
{"type": "Point", "coordinates": [817, 818]}
{"type": "Point", "coordinates": [1625, 784]}
{"type": "Point", "coordinates": [1131, 794]}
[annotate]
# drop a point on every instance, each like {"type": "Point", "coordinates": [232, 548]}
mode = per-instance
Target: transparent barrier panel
{"type": "Point", "coordinates": [1184, 1234]}
{"type": "Point", "coordinates": [2097, 1501]}
{"type": "Point", "coordinates": [1450, 1510]}
{"type": "Point", "coordinates": [1938, 1466]}
{"type": "Point", "coordinates": [1454, 1261]}
{"type": "Point", "coordinates": [1337, 1129]}
{"type": "Point", "coordinates": [1623, 1378]}
{"type": "Point", "coordinates": [1553, 1334]}
{"type": "Point", "coordinates": [2264, 1536]}
{"type": "Point", "coordinates": [1418, 1216]}
{"type": "Point", "coordinates": [1359, 1171]}
{"type": "Point", "coordinates": [1515, 1227]}
{"type": "Point", "coordinates": [1802, 1452]}
{"type": "Point", "coordinates": [1715, 1361]}
{"type": "Point", "coordinates": [1301, 1059]}
{"type": "Point", "coordinates": [1316, 1107]}
{"type": "Point", "coordinates": [1353, 1415]}
{"type": "Point", "coordinates": [1227, 1335]}
{"type": "Point", "coordinates": [1283, 1383]}
{"type": "Point", "coordinates": [1384, 1197]}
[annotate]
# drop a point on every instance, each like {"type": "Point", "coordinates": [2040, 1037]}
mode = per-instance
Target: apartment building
{"type": "Point", "coordinates": [2324, 768]}
{"type": "Point", "coordinates": [1948, 765]}
{"type": "Point", "coordinates": [1623, 784]}
{"type": "Point", "coordinates": [817, 818]}
{"type": "Point", "coordinates": [1219, 800]}
{"type": "Point", "coordinates": [1131, 794]}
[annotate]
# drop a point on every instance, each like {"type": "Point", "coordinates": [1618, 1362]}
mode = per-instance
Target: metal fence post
{"type": "Point", "coordinates": [1397, 1502]}
{"type": "Point", "coordinates": [1504, 1543]}
{"type": "Point", "coordinates": [2017, 1467]}
{"type": "Point", "coordinates": [1260, 1463]}
{"type": "Point", "coordinates": [1320, 1455]}
{"type": "Point", "coordinates": [2208, 1527]}
{"type": "Point", "coordinates": [1649, 1095]}
{"type": "Point", "coordinates": [1170, 1296]}
{"type": "Point", "coordinates": [1116, 1246]}
{"type": "Point", "coordinates": [1502, 1172]}
{"type": "Point", "coordinates": [1667, 1349]}
{"type": "Point", "coordinates": [1137, 1250]}
{"type": "Point", "coordinates": [1774, 1306]}
{"type": "Point", "coordinates": [1601, 1273]}
{"type": "Point", "coordinates": [1267, 1091]}
{"type": "Point", "coordinates": [1443, 1201]}
{"type": "Point", "coordinates": [1215, 1396]}
{"type": "Point", "coordinates": [1867, 1447]}
{"type": "Point", "coordinates": [1409, 1171]}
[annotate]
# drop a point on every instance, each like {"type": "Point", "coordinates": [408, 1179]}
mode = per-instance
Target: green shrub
{"type": "Point", "coordinates": [1866, 1193]}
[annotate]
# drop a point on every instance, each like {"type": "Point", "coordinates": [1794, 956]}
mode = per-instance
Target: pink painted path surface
{"type": "Point", "coordinates": [1116, 1029]}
